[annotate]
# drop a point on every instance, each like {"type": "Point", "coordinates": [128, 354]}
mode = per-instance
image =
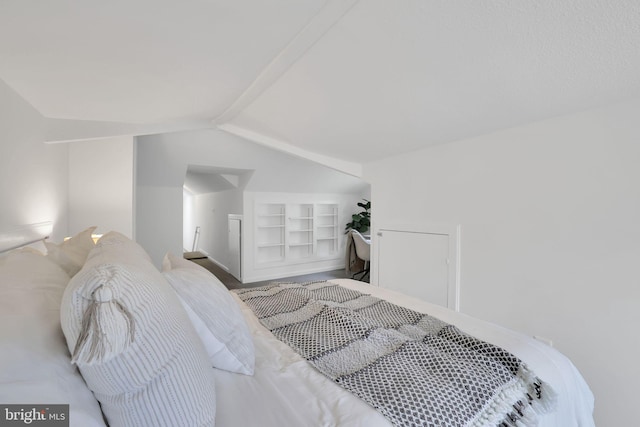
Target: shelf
{"type": "Point", "coordinates": [296, 232]}
{"type": "Point", "coordinates": [270, 245]}
{"type": "Point", "coordinates": [270, 232]}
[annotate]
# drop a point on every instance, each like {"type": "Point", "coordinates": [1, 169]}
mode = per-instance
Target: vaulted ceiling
{"type": "Point", "coordinates": [345, 80]}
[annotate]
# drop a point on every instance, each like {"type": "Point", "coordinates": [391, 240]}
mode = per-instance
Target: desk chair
{"type": "Point", "coordinates": [363, 251]}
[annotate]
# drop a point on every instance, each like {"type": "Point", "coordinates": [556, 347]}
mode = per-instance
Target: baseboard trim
{"type": "Point", "coordinates": [219, 264]}
{"type": "Point", "coordinates": [293, 273]}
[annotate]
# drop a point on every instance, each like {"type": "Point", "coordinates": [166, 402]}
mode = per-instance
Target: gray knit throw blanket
{"type": "Point", "coordinates": [413, 368]}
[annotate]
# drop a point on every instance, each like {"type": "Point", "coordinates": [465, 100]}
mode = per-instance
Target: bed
{"type": "Point", "coordinates": [281, 371]}
{"type": "Point", "coordinates": [65, 338]}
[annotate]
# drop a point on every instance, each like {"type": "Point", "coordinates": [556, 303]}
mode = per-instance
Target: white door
{"type": "Point", "coordinates": [416, 264]}
{"type": "Point", "coordinates": [235, 246]}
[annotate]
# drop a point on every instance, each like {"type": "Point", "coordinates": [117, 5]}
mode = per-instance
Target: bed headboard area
{"type": "Point", "coordinates": [24, 235]}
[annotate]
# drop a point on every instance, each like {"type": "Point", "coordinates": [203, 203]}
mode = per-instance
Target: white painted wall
{"type": "Point", "coordinates": [550, 235]}
{"type": "Point", "coordinates": [101, 185]}
{"type": "Point", "coordinates": [33, 175]}
{"type": "Point", "coordinates": [161, 167]}
{"type": "Point", "coordinates": [188, 220]}
{"type": "Point", "coordinates": [158, 223]}
{"type": "Point", "coordinates": [211, 214]}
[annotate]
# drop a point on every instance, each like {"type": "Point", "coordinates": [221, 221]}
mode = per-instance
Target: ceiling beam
{"type": "Point", "coordinates": [65, 130]}
{"type": "Point", "coordinates": [322, 21]}
{"type": "Point", "coordinates": [350, 168]}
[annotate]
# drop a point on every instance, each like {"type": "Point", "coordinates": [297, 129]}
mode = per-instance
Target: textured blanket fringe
{"type": "Point", "coordinates": [107, 327]}
{"type": "Point", "coordinates": [519, 403]}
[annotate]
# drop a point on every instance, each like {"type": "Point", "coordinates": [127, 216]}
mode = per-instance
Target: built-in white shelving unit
{"type": "Point", "coordinates": [300, 231]}
{"type": "Point", "coordinates": [296, 232]}
{"type": "Point", "coordinates": [326, 229]}
{"type": "Point", "coordinates": [270, 232]}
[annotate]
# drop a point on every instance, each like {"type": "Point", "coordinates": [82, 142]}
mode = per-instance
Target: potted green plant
{"type": "Point", "coordinates": [361, 220]}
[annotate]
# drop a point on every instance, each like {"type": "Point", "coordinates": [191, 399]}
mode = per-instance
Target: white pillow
{"type": "Point", "coordinates": [72, 253]}
{"type": "Point", "coordinates": [136, 347]}
{"type": "Point", "coordinates": [36, 364]}
{"type": "Point", "coordinates": [214, 314]}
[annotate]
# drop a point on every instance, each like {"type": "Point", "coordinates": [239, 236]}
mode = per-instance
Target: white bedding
{"type": "Point", "coordinates": [286, 391]}
{"type": "Point", "coordinates": [35, 366]}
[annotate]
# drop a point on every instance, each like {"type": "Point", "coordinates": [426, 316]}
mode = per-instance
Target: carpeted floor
{"type": "Point", "coordinates": [233, 283]}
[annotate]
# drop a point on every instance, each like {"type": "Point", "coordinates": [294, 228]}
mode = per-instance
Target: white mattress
{"type": "Point", "coordinates": [286, 391]}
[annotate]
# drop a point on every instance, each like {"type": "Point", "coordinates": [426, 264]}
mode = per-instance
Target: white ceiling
{"type": "Point", "coordinates": [141, 61]}
{"type": "Point", "coordinates": [350, 80]}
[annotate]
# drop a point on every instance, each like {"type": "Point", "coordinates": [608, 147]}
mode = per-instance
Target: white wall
{"type": "Point", "coordinates": [101, 185]}
{"type": "Point", "coordinates": [161, 167]}
{"type": "Point", "coordinates": [33, 175]}
{"type": "Point", "coordinates": [211, 214]}
{"type": "Point", "coordinates": [158, 224]}
{"type": "Point", "coordinates": [188, 220]}
{"type": "Point", "coordinates": [550, 216]}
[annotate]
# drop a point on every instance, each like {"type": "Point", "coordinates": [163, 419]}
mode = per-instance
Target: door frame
{"type": "Point", "coordinates": [236, 217]}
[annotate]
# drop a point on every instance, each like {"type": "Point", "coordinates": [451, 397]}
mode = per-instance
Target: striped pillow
{"type": "Point", "coordinates": [133, 341]}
